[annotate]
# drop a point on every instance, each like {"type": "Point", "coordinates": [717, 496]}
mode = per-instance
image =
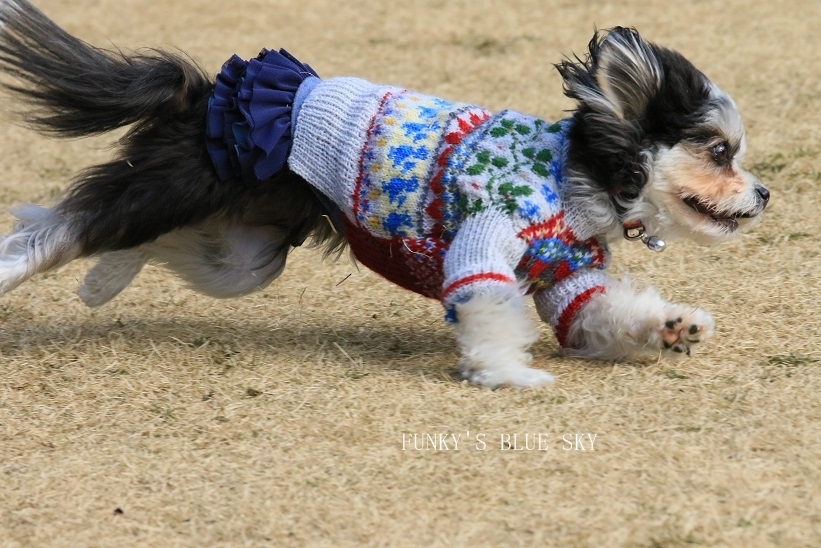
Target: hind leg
{"type": "Point", "coordinates": [222, 258]}
{"type": "Point", "coordinates": [42, 240]}
{"type": "Point", "coordinates": [219, 258]}
{"type": "Point", "coordinates": [112, 273]}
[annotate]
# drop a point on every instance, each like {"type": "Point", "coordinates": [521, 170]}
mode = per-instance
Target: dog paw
{"type": "Point", "coordinates": [517, 376]}
{"type": "Point", "coordinates": [685, 328]}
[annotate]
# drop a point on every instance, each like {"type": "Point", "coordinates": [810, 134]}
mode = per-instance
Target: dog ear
{"type": "Point", "coordinates": [619, 75]}
{"type": "Point", "coordinates": [627, 71]}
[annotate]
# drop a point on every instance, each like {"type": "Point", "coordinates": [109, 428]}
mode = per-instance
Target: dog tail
{"type": "Point", "coordinates": [73, 89]}
{"type": "Point", "coordinates": [161, 178]}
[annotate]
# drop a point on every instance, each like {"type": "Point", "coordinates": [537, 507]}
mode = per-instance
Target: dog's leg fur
{"type": "Point", "coordinates": [494, 334]}
{"type": "Point", "coordinates": [112, 273]}
{"type": "Point", "coordinates": [492, 327]}
{"type": "Point", "coordinates": [218, 259]}
{"type": "Point", "coordinates": [160, 198]}
{"type": "Point", "coordinates": [223, 259]}
{"type": "Point", "coordinates": [622, 323]}
{"type": "Point", "coordinates": [161, 179]}
{"type": "Point", "coordinates": [42, 240]}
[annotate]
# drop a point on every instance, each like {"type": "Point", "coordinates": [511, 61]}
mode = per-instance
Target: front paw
{"type": "Point", "coordinates": [685, 328]}
{"type": "Point", "coordinates": [513, 375]}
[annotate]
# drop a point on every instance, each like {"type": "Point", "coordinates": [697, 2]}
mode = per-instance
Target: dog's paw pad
{"type": "Point", "coordinates": [516, 377]}
{"type": "Point", "coordinates": [685, 328]}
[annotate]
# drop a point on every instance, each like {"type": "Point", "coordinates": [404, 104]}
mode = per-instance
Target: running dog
{"type": "Point", "coordinates": [217, 179]}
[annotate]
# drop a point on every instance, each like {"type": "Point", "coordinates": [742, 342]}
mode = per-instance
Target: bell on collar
{"type": "Point", "coordinates": [635, 231]}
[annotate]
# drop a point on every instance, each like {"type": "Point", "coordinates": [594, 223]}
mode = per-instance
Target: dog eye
{"type": "Point", "coordinates": [720, 152]}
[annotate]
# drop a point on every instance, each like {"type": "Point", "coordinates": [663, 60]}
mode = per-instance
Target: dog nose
{"type": "Point", "coordinates": [763, 193]}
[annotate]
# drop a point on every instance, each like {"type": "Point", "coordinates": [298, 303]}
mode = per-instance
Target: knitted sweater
{"type": "Point", "coordinates": [446, 200]}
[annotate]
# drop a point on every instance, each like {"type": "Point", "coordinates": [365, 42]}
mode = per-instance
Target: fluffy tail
{"type": "Point", "coordinates": [161, 178]}
{"type": "Point", "coordinates": [73, 89]}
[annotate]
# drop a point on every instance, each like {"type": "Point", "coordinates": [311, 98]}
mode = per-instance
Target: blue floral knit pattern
{"type": "Point", "coordinates": [516, 166]}
{"type": "Point", "coordinates": [399, 160]}
{"type": "Point", "coordinates": [444, 199]}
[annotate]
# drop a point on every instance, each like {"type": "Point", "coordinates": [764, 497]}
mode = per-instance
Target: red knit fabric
{"type": "Point", "coordinates": [413, 263]}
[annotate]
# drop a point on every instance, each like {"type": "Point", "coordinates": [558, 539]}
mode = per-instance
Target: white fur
{"type": "Point", "coordinates": [663, 213]}
{"type": "Point", "coordinates": [112, 273]}
{"type": "Point", "coordinates": [623, 322]}
{"type": "Point", "coordinates": [41, 241]}
{"type": "Point", "coordinates": [494, 333]}
{"type": "Point", "coordinates": [218, 258]}
{"type": "Point", "coordinates": [223, 258]}
{"type": "Point", "coordinates": [626, 97]}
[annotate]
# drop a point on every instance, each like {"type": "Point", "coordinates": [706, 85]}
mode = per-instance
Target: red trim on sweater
{"type": "Point", "coordinates": [570, 311]}
{"type": "Point", "coordinates": [484, 276]}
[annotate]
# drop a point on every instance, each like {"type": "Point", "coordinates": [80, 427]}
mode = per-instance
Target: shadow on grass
{"type": "Point", "coordinates": [413, 350]}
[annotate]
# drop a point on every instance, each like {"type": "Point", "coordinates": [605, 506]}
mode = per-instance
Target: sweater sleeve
{"type": "Point", "coordinates": [481, 258]}
{"type": "Point", "coordinates": [559, 304]}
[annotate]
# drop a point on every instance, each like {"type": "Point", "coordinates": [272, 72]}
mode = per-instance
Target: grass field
{"type": "Point", "coordinates": [168, 419]}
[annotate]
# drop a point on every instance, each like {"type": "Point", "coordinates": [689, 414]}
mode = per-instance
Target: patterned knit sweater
{"type": "Point", "coordinates": [446, 200]}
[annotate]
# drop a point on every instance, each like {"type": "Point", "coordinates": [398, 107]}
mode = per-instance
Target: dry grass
{"type": "Point", "coordinates": [166, 418]}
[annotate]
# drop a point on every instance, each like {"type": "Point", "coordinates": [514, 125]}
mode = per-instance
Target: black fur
{"type": "Point", "coordinates": [608, 149]}
{"type": "Point", "coordinates": [162, 177]}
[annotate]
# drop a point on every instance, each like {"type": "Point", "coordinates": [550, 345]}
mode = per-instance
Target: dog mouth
{"type": "Point", "coordinates": [726, 219]}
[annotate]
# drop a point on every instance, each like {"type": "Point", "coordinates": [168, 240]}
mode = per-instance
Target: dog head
{"type": "Point", "coordinates": [654, 141]}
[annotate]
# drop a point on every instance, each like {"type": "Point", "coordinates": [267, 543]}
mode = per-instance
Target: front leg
{"type": "Point", "coordinates": [494, 334]}
{"type": "Point", "coordinates": [481, 293]}
{"type": "Point", "coordinates": [617, 322]}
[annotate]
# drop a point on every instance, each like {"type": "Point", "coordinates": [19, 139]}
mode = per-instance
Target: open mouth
{"type": "Point", "coordinates": [723, 218]}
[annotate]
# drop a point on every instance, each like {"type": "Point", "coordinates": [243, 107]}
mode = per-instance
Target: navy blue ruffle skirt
{"type": "Point", "coordinates": [248, 128]}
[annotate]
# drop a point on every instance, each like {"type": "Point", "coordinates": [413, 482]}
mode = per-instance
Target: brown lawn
{"type": "Point", "coordinates": [165, 418]}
